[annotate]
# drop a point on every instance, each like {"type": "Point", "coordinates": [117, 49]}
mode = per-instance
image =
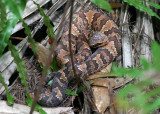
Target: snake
{"type": "Point", "coordinates": [95, 43]}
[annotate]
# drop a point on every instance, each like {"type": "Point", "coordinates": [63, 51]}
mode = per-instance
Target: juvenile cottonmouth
{"type": "Point", "coordinates": [96, 41]}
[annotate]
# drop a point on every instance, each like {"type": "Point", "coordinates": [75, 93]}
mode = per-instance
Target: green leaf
{"type": "Point", "coordinates": [20, 65]}
{"type": "Point", "coordinates": [103, 4]}
{"type": "Point", "coordinates": [145, 64]}
{"type": "Point", "coordinates": [140, 0]}
{"type": "Point", "coordinates": [9, 97]}
{"type": "Point", "coordinates": [46, 21]}
{"type": "Point", "coordinates": [50, 33]}
{"type": "Point", "coordinates": [30, 39]}
{"type": "Point", "coordinates": [136, 91]}
{"type": "Point", "coordinates": [29, 101]}
{"type": "Point", "coordinates": [69, 92]}
{"type": "Point", "coordinates": [3, 16]}
{"type": "Point", "coordinates": [54, 65]}
{"type": "Point", "coordinates": [14, 7]}
{"type": "Point", "coordinates": [156, 55]}
{"type": "Point", "coordinates": [132, 72]}
{"type": "Point", "coordinates": [152, 93]}
{"type": "Point", "coordinates": [151, 106]}
{"type": "Point", "coordinates": [133, 88]}
{"type": "Point", "coordinates": [141, 98]}
{"type": "Point", "coordinates": [6, 32]}
{"type": "Point", "coordinates": [37, 107]}
{"type": "Point", "coordinates": [141, 7]}
{"type": "Point", "coordinates": [138, 100]}
{"type": "Point", "coordinates": [22, 4]}
{"type": "Point", "coordinates": [153, 4]}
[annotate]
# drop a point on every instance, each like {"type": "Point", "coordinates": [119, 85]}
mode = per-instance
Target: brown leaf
{"type": "Point", "coordinates": [102, 98]}
{"type": "Point", "coordinates": [101, 86]}
{"type": "Point", "coordinates": [42, 53]}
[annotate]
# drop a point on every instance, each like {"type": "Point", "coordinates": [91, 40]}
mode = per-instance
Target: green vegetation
{"type": "Point", "coordinates": [16, 9]}
{"type": "Point", "coordinates": [69, 92]}
{"type": "Point", "coordinates": [46, 21]}
{"type": "Point", "coordinates": [140, 97]}
{"type": "Point", "coordinates": [103, 4]}
{"type": "Point", "coordinates": [9, 97]}
{"type": "Point", "coordinates": [140, 6]}
{"type": "Point", "coordinates": [7, 25]}
{"type": "Point", "coordinates": [147, 74]}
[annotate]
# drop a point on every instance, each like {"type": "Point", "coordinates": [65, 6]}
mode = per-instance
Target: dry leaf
{"type": "Point", "coordinates": [42, 53]}
{"type": "Point", "coordinates": [102, 98]}
{"type": "Point", "coordinates": [101, 85]}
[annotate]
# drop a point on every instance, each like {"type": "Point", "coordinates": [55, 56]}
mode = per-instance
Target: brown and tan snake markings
{"type": "Point", "coordinates": [96, 42]}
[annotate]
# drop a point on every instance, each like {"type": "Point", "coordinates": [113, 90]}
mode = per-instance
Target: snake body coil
{"type": "Point", "coordinates": [96, 41]}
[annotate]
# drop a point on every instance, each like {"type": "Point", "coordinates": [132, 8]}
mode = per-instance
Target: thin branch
{"type": "Point", "coordinates": [49, 59]}
{"type": "Point", "coordinates": [17, 38]}
{"type": "Point", "coordinates": [70, 48]}
{"type": "Point", "coordinates": [70, 45]}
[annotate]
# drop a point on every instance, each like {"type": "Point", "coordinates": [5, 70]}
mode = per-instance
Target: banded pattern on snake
{"type": "Point", "coordinates": [96, 42]}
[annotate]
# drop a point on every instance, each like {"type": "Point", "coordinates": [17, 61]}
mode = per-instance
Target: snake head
{"type": "Point", "coordinates": [98, 39]}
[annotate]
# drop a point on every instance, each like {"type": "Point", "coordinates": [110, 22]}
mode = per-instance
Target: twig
{"type": "Point", "coordinates": [70, 48]}
{"type": "Point", "coordinates": [70, 45]}
{"type": "Point", "coordinates": [49, 59]}
{"type": "Point", "coordinates": [17, 38]}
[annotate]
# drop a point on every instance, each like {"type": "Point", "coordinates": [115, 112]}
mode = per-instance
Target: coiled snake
{"type": "Point", "coordinates": [96, 41]}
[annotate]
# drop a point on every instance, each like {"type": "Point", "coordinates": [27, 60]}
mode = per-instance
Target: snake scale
{"type": "Point", "coordinates": [96, 42]}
